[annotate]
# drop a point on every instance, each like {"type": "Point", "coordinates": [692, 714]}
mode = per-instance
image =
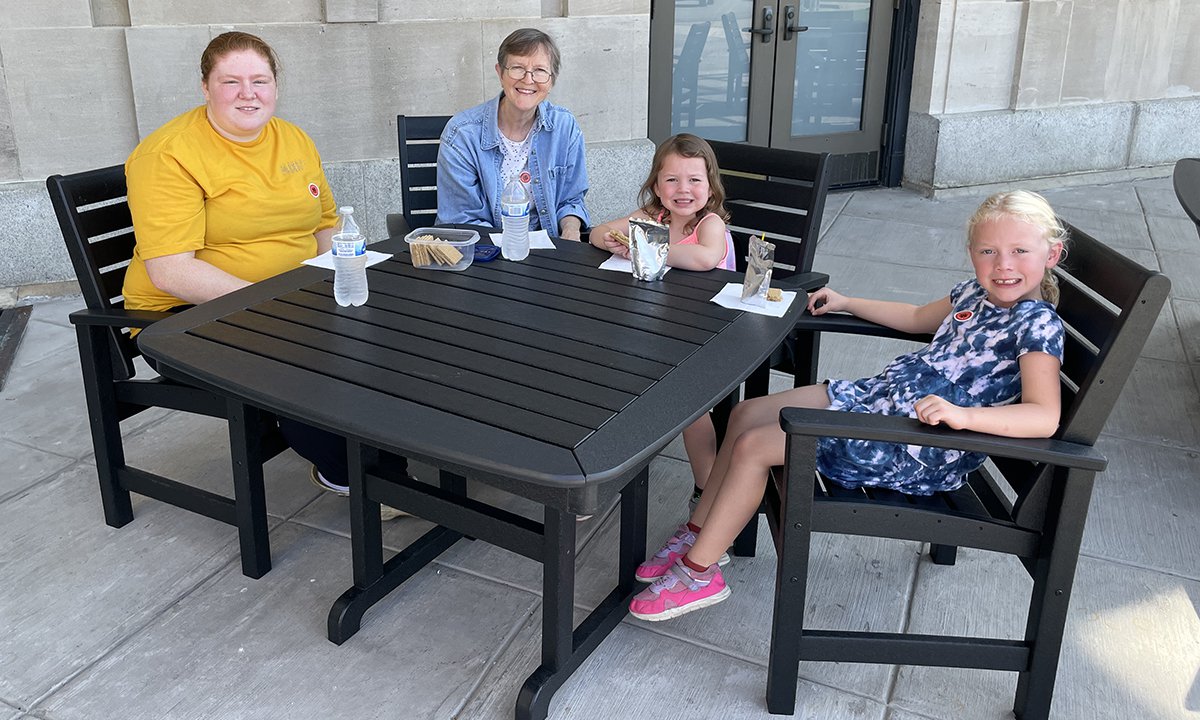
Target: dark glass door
{"type": "Point", "coordinates": [802, 74]}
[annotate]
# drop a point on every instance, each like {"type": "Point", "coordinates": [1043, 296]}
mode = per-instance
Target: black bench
{"type": "Point", "coordinates": [93, 215]}
{"type": "Point", "coordinates": [1031, 502]}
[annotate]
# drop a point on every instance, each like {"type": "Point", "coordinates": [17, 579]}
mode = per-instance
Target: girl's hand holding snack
{"type": "Point", "coordinates": [617, 243]}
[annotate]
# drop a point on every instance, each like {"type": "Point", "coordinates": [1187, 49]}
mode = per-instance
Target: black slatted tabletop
{"type": "Point", "coordinates": [550, 371]}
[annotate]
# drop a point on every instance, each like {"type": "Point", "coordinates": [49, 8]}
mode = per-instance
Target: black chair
{"type": "Point", "coordinates": [1032, 504]}
{"type": "Point", "coordinates": [780, 194]}
{"type": "Point", "coordinates": [94, 218]}
{"type": "Point", "coordinates": [419, 139]}
{"type": "Point", "coordinates": [1186, 180]}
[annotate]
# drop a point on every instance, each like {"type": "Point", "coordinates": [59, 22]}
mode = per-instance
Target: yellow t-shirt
{"type": "Point", "coordinates": [250, 208]}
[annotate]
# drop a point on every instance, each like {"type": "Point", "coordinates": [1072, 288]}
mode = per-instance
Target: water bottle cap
{"type": "Point", "coordinates": [346, 209]}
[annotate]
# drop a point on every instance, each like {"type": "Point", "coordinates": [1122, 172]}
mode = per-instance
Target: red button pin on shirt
{"type": "Point", "coordinates": [963, 315]}
{"type": "Point", "coordinates": [525, 177]}
{"type": "Point", "coordinates": [314, 190]}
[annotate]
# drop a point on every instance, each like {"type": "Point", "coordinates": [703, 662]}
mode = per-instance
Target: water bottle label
{"type": "Point", "coordinates": [514, 209]}
{"type": "Point", "coordinates": [349, 245]}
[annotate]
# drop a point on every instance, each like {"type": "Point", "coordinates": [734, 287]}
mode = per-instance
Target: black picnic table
{"type": "Point", "coordinates": [550, 379]}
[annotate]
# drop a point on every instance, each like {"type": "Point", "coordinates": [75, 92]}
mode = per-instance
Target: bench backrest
{"type": "Point", "coordinates": [93, 215]}
{"type": "Point", "coordinates": [776, 192]}
{"type": "Point", "coordinates": [1109, 304]}
{"type": "Point", "coordinates": [419, 139]}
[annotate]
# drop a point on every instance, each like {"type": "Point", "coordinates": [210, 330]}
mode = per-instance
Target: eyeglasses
{"type": "Point", "coordinates": [539, 75]}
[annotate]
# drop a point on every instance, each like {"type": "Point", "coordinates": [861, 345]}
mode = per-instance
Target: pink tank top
{"type": "Point", "coordinates": [729, 261]}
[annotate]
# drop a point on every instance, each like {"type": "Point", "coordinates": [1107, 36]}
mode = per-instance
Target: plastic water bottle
{"type": "Point", "coordinates": [514, 210]}
{"type": "Point", "coordinates": [349, 261]}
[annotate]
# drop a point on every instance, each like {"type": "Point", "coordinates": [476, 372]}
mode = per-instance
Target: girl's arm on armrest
{"type": "Point", "coordinates": [904, 317]}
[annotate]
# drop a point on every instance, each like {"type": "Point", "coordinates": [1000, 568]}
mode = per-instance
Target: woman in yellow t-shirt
{"type": "Point", "coordinates": [225, 195]}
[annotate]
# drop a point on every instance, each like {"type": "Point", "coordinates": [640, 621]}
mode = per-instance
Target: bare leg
{"type": "Point", "coordinates": [753, 445]}
{"type": "Point", "coordinates": [700, 442]}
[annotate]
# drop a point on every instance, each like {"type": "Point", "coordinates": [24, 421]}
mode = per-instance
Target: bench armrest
{"type": "Point", "coordinates": [851, 325]}
{"type": "Point", "coordinates": [910, 431]}
{"type": "Point", "coordinates": [808, 281]}
{"type": "Point", "coordinates": [118, 318]}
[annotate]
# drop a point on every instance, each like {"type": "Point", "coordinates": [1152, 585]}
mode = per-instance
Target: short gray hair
{"type": "Point", "coordinates": [527, 41]}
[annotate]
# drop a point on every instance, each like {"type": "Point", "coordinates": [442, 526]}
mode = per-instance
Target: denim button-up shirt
{"type": "Point", "coordinates": [468, 167]}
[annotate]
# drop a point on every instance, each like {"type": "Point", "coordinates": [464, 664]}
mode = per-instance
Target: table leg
{"type": "Point", "coordinates": [564, 650]}
{"type": "Point", "coordinates": [250, 499]}
{"type": "Point", "coordinates": [366, 531]}
{"type": "Point", "coordinates": [634, 516]}
{"type": "Point", "coordinates": [373, 578]}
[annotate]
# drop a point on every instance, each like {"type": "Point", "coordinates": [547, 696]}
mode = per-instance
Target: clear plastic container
{"type": "Point", "coordinates": [442, 248]}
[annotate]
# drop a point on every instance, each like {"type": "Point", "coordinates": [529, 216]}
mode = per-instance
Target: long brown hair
{"type": "Point", "coordinates": [688, 146]}
{"type": "Point", "coordinates": [235, 41]}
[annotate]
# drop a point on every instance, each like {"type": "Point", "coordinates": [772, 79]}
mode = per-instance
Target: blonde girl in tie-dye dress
{"type": "Point", "coordinates": [992, 367]}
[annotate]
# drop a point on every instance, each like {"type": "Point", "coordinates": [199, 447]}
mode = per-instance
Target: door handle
{"type": "Point", "coordinates": [768, 26]}
{"type": "Point", "coordinates": [789, 26]}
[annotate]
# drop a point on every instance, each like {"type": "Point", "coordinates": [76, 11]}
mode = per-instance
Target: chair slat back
{"type": "Point", "coordinates": [93, 215]}
{"type": "Point", "coordinates": [419, 139]}
{"type": "Point", "coordinates": [1109, 304]}
{"type": "Point", "coordinates": [777, 193]}
{"type": "Point", "coordinates": [114, 250]}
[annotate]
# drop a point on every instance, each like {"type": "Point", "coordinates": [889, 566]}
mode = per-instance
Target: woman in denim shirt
{"type": "Point", "coordinates": [516, 134]}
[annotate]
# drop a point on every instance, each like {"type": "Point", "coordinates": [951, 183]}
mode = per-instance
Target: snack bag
{"type": "Point", "coordinates": [648, 245]}
{"type": "Point", "coordinates": [759, 261]}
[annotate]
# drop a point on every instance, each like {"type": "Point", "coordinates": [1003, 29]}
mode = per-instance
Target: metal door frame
{"type": "Point", "coordinates": [888, 96]}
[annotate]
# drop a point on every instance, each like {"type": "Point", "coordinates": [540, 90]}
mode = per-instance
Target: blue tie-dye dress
{"type": "Point", "coordinates": [972, 361]}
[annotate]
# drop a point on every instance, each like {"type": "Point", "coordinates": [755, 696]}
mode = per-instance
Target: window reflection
{"type": "Point", "coordinates": [831, 63]}
{"type": "Point", "coordinates": [710, 82]}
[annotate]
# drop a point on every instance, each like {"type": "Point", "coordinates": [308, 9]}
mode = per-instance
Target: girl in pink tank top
{"type": "Point", "coordinates": [683, 191]}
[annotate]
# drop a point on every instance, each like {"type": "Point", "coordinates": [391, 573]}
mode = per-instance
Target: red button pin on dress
{"type": "Point", "coordinates": [963, 315]}
{"type": "Point", "coordinates": [314, 190]}
{"type": "Point", "coordinates": [525, 177]}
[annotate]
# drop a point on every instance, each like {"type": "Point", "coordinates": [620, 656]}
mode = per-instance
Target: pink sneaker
{"type": "Point", "coordinates": [678, 592]}
{"type": "Point", "coordinates": [676, 547]}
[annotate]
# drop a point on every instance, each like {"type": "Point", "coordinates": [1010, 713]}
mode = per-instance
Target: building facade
{"type": "Point", "coordinates": [1003, 91]}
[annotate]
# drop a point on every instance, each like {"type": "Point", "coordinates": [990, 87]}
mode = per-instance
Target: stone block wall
{"type": "Point", "coordinates": [1052, 91]}
{"type": "Point", "coordinates": [81, 82]}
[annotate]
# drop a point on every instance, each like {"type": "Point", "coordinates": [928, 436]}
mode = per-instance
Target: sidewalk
{"type": "Point", "coordinates": [154, 620]}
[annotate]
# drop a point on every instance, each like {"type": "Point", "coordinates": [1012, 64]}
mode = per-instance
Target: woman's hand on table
{"type": "Point", "coordinates": [569, 228]}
